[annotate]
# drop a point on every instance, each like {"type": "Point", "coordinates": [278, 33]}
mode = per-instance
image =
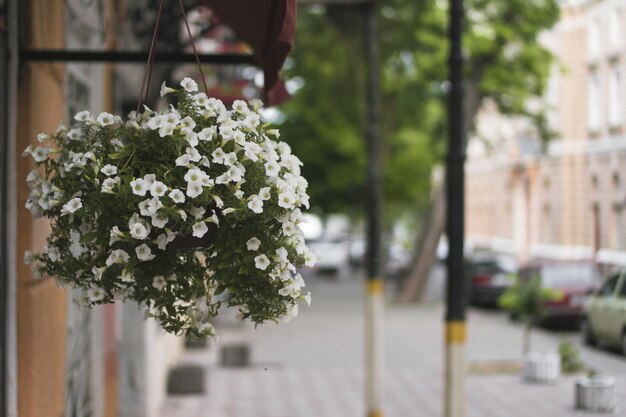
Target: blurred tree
{"type": "Point", "coordinates": [325, 119]}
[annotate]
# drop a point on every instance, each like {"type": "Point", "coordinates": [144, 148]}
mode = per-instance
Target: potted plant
{"type": "Point", "coordinates": [173, 208]}
{"type": "Point", "coordinates": [595, 393]}
{"type": "Point", "coordinates": [526, 300]}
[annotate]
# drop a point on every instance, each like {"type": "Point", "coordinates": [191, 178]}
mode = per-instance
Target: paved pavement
{"type": "Point", "coordinates": [312, 367]}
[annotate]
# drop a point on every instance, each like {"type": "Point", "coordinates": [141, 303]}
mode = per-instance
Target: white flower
{"type": "Point", "coordinates": [118, 256]}
{"type": "Point", "coordinates": [286, 200]}
{"type": "Point", "coordinates": [240, 106]}
{"type": "Point", "coordinates": [194, 175]}
{"type": "Point", "coordinates": [139, 231]}
{"type": "Point", "coordinates": [28, 150]}
{"type": "Point", "coordinates": [200, 229]}
{"type": "Point", "coordinates": [95, 294]}
{"type": "Point", "coordinates": [256, 204]}
{"type": "Point", "coordinates": [218, 201]}
{"type": "Point", "coordinates": [71, 206]}
{"type": "Point", "coordinates": [230, 158]}
{"type": "Point", "coordinates": [126, 276]}
{"type": "Point", "coordinates": [159, 282]}
{"type": "Point", "coordinates": [182, 161]}
{"type": "Point", "coordinates": [139, 186]}
{"type": "Point", "coordinates": [218, 156]}
{"type": "Point", "coordinates": [53, 253]}
{"type": "Point", "coordinates": [74, 134]}
{"type": "Point", "coordinates": [261, 262]}
{"type": "Point", "coordinates": [166, 90]}
{"type": "Point", "coordinates": [282, 254]}
{"type": "Point", "coordinates": [105, 119]}
{"type": "Point", "coordinates": [144, 253]}
{"type": "Point", "coordinates": [82, 116]}
{"type": "Point", "coordinates": [194, 189]}
{"type": "Point", "coordinates": [239, 194]}
{"type": "Point", "coordinates": [197, 212]}
{"type": "Point", "coordinates": [193, 153]}
{"type": "Point", "coordinates": [166, 129]}
{"type": "Point", "coordinates": [42, 137]}
{"type": "Point", "coordinates": [310, 259]}
{"type": "Point", "coordinates": [109, 184]}
{"type": "Point", "coordinates": [192, 138]}
{"type": "Point", "coordinates": [189, 85]}
{"type": "Point", "coordinates": [109, 170]}
{"type": "Point", "coordinates": [264, 193]}
{"type": "Point", "coordinates": [272, 169]}
{"type": "Point", "coordinates": [253, 244]}
{"type": "Point", "coordinates": [159, 220]}
{"type": "Point", "coordinates": [115, 235]}
{"type": "Point", "coordinates": [158, 189]}
{"type": "Point", "coordinates": [76, 248]}
{"type": "Point", "coordinates": [289, 229]}
{"type": "Point", "coordinates": [307, 298]}
{"type": "Point", "coordinates": [97, 272]}
{"type": "Point", "coordinates": [206, 134]}
{"type": "Point", "coordinates": [251, 121]}
{"type": "Point", "coordinates": [177, 196]}
{"type": "Point", "coordinates": [164, 238]}
{"type": "Point", "coordinates": [40, 154]}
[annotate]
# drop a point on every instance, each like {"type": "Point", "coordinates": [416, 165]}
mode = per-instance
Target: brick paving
{"type": "Point", "coordinates": [313, 365]}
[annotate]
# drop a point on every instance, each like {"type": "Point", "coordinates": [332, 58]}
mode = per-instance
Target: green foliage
{"type": "Point", "coordinates": [326, 121]}
{"type": "Point", "coordinates": [527, 298]}
{"type": "Point", "coordinates": [570, 357]}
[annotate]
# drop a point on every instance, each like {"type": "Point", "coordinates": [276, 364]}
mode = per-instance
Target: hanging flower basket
{"type": "Point", "coordinates": [172, 208]}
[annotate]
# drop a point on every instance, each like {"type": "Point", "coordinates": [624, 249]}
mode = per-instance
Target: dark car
{"type": "Point", "coordinates": [573, 281]}
{"type": "Point", "coordinates": [490, 275]}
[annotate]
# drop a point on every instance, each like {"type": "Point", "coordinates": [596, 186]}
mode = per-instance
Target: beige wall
{"type": "Point", "coordinates": [41, 306]}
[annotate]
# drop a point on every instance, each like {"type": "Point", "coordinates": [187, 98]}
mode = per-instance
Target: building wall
{"type": "Point", "coordinates": [41, 306]}
{"type": "Point", "coordinates": [575, 193]}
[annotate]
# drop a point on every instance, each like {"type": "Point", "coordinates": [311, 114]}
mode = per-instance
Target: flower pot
{"type": "Point", "coordinates": [542, 368]}
{"type": "Point", "coordinates": [596, 394]}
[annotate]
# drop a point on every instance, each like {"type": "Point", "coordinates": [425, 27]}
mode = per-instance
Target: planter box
{"type": "Point", "coordinates": [543, 368]}
{"type": "Point", "coordinates": [596, 394]}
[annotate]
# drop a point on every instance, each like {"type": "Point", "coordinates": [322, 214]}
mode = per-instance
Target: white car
{"type": "Point", "coordinates": [333, 256]}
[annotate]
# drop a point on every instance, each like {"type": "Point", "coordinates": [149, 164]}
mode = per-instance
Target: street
{"type": "Point", "coordinates": [313, 366]}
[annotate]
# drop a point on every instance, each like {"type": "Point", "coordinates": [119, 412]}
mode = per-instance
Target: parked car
{"type": "Point", "coordinates": [604, 313]}
{"type": "Point", "coordinates": [333, 256]}
{"type": "Point", "coordinates": [572, 280]}
{"type": "Point", "coordinates": [489, 277]}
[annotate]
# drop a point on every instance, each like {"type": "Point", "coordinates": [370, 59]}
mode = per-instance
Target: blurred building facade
{"type": "Point", "coordinates": [567, 202]}
{"type": "Point", "coordinates": [65, 361]}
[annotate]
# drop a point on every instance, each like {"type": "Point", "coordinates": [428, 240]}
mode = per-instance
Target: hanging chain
{"type": "Point", "coordinates": [147, 76]}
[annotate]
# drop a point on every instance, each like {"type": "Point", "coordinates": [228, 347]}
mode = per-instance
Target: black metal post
{"type": "Point", "coordinates": [374, 312]}
{"type": "Point", "coordinates": [455, 222]}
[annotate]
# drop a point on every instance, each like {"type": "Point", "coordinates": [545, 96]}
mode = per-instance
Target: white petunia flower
{"type": "Point", "coordinates": [253, 244]}
{"type": "Point", "coordinates": [256, 204]}
{"type": "Point", "coordinates": [289, 229]}
{"type": "Point", "coordinates": [117, 256]}
{"type": "Point", "coordinates": [159, 220]}
{"type": "Point", "coordinates": [218, 156]}
{"type": "Point", "coordinates": [139, 186]}
{"type": "Point", "coordinates": [158, 189]}
{"type": "Point", "coordinates": [194, 175]}
{"type": "Point", "coordinates": [83, 116]}
{"type": "Point", "coordinates": [166, 90]}
{"type": "Point", "coordinates": [230, 158]}
{"type": "Point", "coordinates": [192, 139]}
{"type": "Point", "coordinates": [200, 229]}
{"type": "Point", "coordinates": [109, 184]}
{"type": "Point", "coordinates": [159, 282]}
{"type": "Point", "coordinates": [282, 254]}
{"type": "Point", "coordinates": [97, 272]}
{"type": "Point", "coordinates": [206, 134]}
{"type": "Point", "coordinates": [240, 106]}
{"type": "Point", "coordinates": [189, 85]}
{"type": "Point", "coordinates": [286, 200]}
{"type": "Point", "coordinates": [193, 153]}
{"type": "Point", "coordinates": [115, 235]}
{"type": "Point", "coordinates": [165, 238]}
{"type": "Point", "coordinates": [42, 137]}
{"type": "Point", "coordinates": [264, 193]}
{"type": "Point", "coordinates": [126, 276]}
{"type": "Point", "coordinates": [105, 119]}
{"type": "Point", "coordinates": [144, 253]}
{"type": "Point", "coordinates": [251, 121]}
{"type": "Point", "coordinates": [182, 161]}
{"type": "Point", "coordinates": [166, 129]}
{"type": "Point", "coordinates": [95, 294]}
{"type": "Point", "coordinates": [194, 189]}
{"type": "Point", "coordinates": [40, 154]}
{"type": "Point", "coordinates": [109, 170]}
{"type": "Point", "coordinates": [177, 196]}
{"type": "Point", "coordinates": [261, 262]}
{"type": "Point", "coordinates": [272, 169]}
{"type": "Point", "coordinates": [71, 206]}
{"type": "Point", "coordinates": [310, 259]}
{"type": "Point", "coordinates": [239, 194]}
{"type": "Point", "coordinates": [139, 231]}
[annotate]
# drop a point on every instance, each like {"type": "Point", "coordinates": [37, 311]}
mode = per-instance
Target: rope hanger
{"type": "Point", "coordinates": [147, 76]}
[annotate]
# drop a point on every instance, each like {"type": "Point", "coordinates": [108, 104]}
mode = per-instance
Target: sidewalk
{"type": "Point", "coordinates": [313, 366]}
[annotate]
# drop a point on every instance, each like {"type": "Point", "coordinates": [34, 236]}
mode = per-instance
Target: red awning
{"type": "Point", "coordinates": [269, 26]}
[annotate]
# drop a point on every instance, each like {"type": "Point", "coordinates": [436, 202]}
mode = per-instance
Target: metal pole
{"type": "Point", "coordinates": [455, 224]}
{"type": "Point", "coordinates": [4, 87]}
{"type": "Point", "coordinates": [374, 297]}
{"type": "Point", "coordinates": [67, 55]}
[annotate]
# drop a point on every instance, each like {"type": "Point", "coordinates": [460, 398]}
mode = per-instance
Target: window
{"type": "Point", "coordinates": [608, 289]}
{"type": "Point", "coordinates": [593, 38]}
{"type": "Point", "coordinates": [593, 103]}
{"type": "Point", "coordinates": [616, 97]}
{"type": "Point", "coordinates": [615, 29]}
